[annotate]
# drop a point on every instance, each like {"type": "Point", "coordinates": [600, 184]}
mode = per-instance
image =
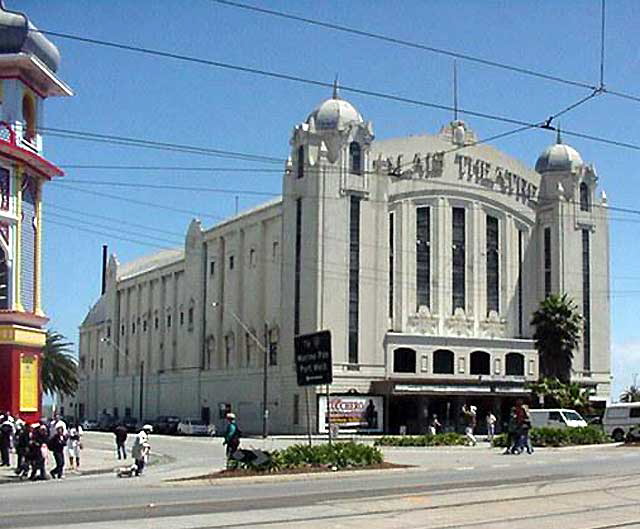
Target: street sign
{"type": "Point", "coordinates": [313, 359]}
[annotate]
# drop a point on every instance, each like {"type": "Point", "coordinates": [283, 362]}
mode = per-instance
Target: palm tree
{"type": "Point", "coordinates": [557, 334]}
{"type": "Point", "coordinates": [557, 394]}
{"type": "Point", "coordinates": [58, 368]}
{"type": "Point", "coordinates": [631, 394]}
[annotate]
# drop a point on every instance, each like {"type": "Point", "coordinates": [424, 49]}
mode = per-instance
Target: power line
{"type": "Point", "coordinates": [440, 51]}
{"type": "Point", "coordinates": [49, 205]}
{"type": "Point", "coordinates": [602, 46]}
{"type": "Point", "coordinates": [141, 142]}
{"type": "Point", "coordinates": [408, 44]}
{"type": "Point", "coordinates": [105, 234]}
{"type": "Point", "coordinates": [170, 168]}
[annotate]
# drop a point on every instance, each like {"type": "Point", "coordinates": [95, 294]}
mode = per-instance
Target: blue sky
{"type": "Point", "coordinates": [119, 92]}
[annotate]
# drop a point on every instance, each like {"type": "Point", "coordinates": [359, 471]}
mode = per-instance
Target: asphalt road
{"type": "Point", "coordinates": [458, 487]}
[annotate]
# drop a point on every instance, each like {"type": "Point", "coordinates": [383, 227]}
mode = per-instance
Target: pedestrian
{"type": "Point", "coordinates": [55, 423]}
{"type": "Point", "coordinates": [74, 445]}
{"type": "Point", "coordinates": [57, 444]}
{"type": "Point", "coordinates": [140, 449]}
{"type": "Point", "coordinates": [21, 444]}
{"type": "Point", "coordinates": [231, 436]}
{"type": "Point", "coordinates": [434, 425]}
{"type": "Point", "coordinates": [491, 426]}
{"type": "Point", "coordinates": [120, 432]}
{"type": "Point", "coordinates": [513, 437]}
{"type": "Point", "coordinates": [7, 430]}
{"type": "Point", "coordinates": [38, 451]}
{"type": "Point", "coordinates": [469, 418]}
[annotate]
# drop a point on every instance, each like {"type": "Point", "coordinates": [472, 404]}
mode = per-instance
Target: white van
{"type": "Point", "coordinates": [556, 418]}
{"type": "Point", "coordinates": [619, 419]}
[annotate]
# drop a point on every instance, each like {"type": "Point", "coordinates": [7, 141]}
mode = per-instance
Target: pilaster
{"type": "Point", "coordinates": [17, 302]}
{"type": "Point", "coordinates": [37, 302]}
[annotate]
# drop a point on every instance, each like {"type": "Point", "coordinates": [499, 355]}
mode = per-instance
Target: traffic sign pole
{"type": "Point", "coordinates": [328, 416]}
{"type": "Point", "coordinates": [306, 394]}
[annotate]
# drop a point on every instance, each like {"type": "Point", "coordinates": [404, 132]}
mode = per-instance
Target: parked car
{"type": "Point", "coordinates": [556, 418]}
{"type": "Point", "coordinates": [166, 424]}
{"type": "Point", "coordinates": [622, 421]}
{"type": "Point", "coordinates": [192, 426]}
{"type": "Point", "coordinates": [89, 424]}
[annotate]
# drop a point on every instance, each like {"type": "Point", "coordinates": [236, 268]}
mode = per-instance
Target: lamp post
{"type": "Point", "coordinates": [265, 373]}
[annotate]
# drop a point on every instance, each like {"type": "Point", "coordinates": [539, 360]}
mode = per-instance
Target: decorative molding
{"type": "Point", "coordinates": [423, 322]}
{"type": "Point", "coordinates": [460, 324]}
{"type": "Point", "coordinates": [494, 326]}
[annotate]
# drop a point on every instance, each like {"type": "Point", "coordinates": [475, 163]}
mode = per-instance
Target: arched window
{"type": "Point", "coordinates": [301, 161]}
{"type": "Point", "coordinates": [355, 158]}
{"type": "Point", "coordinates": [404, 360]}
{"type": "Point", "coordinates": [4, 280]}
{"type": "Point", "coordinates": [514, 364]}
{"type": "Point", "coordinates": [480, 363]}
{"type": "Point", "coordinates": [584, 197]}
{"type": "Point", "coordinates": [443, 362]}
{"type": "Point", "coordinates": [29, 117]}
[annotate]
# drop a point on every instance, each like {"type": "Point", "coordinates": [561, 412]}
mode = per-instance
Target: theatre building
{"type": "Point", "coordinates": [425, 257]}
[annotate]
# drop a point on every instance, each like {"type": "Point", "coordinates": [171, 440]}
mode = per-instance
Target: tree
{"type": "Point", "coordinates": [557, 394]}
{"type": "Point", "coordinates": [58, 368]}
{"type": "Point", "coordinates": [557, 334]}
{"type": "Point", "coordinates": [631, 394]}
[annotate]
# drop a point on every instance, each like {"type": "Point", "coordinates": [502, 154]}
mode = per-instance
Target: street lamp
{"type": "Point", "coordinates": [265, 373]}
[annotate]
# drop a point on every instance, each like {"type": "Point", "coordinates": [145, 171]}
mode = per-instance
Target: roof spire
{"type": "Point", "coordinates": [335, 88]}
{"type": "Point", "coordinates": [558, 137]}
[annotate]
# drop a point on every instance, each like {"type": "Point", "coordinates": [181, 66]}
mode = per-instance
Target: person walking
{"type": "Point", "coordinates": [120, 432]}
{"type": "Point", "coordinates": [57, 444]}
{"type": "Point", "coordinates": [140, 449]}
{"type": "Point", "coordinates": [22, 447]}
{"type": "Point", "coordinates": [491, 426]}
{"type": "Point", "coordinates": [469, 418]}
{"type": "Point", "coordinates": [38, 451]}
{"type": "Point", "coordinates": [74, 445]}
{"type": "Point", "coordinates": [7, 429]}
{"type": "Point", "coordinates": [231, 436]}
{"type": "Point", "coordinates": [434, 425]}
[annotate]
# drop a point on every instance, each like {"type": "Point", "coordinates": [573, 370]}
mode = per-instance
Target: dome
{"type": "Point", "coordinates": [335, 113]}
{"type": "Point", "coordinates": [558, 157]}
{"type": "Point", "coordinates": [20, 36]}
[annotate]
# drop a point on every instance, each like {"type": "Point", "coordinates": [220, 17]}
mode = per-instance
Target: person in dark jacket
{"type": "Point", "coordinates": [57, 444]}
{"type": "Point", "coordinates": [7, 430]}
{"type": "Point", "coordinates": [37, 450]}
{"type": "Point", "coordinates": [120, 432]}
{"type": "Point", "coordinates": [22, 447]}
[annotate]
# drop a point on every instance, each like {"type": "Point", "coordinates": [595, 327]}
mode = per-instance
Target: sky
{"type": "Point", "coordinates": [128, 94]}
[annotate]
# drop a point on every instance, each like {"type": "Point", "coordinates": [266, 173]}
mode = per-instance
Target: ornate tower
{"type": "Point", "coordinates": [28, 64]}
{"type": "Point", "coordinates": [573, 242]}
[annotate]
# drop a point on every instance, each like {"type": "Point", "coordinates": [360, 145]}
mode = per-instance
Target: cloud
{"type": "Point", "coordinates": [625, 363]}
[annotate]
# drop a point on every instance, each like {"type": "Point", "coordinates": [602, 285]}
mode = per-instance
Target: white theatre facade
{"type": "Point", "coordinates": [425, 257]}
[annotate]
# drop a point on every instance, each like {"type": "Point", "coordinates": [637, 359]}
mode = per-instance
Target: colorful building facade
{"type": "Point", "coordinates": [28, 65]}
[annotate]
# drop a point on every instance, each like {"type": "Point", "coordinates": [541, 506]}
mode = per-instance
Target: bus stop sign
{"type": "Point", "coordinates": [313, 358]}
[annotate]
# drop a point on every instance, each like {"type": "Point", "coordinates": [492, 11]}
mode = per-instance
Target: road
{"type": "Point", "coordinates": [587, 488]}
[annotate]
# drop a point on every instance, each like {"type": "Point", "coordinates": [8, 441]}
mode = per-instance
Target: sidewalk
{"type": "Point", "coordinates": [92, 461]}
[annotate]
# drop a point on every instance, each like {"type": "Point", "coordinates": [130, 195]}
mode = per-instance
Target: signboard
{"type": "Point", "coordinates": [352, 413]}
{"type": "Point", "coordinates": [28, 383]}
{"type": "Point", "coordinates": [313, 358]}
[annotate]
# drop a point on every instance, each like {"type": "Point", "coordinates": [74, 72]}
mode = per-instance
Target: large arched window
{"type": "Point", "coordinates": [584, 197]}
{"type": "Point", "coordinates": [29, 117]}
{"type": "Point", "coordinates": [4, 280]}
{"type": "Point", "coordinates": [443, 362]}
{"type": "Point", "coordinates": [514, 364]}
{"type": "Point", "coordinates": [404, 360]}
{"type": "Point", "coordinates": [480, 363]}
{"type": "Point", "coordinates": [300, 161]}
{"type": "Point", "coordinates": [355, 158]}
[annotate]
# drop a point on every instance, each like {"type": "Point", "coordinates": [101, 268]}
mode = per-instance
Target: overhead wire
{"type": "Point", "coordinates": [312, 82]}
{"type": "Point", "coordinates": [441, 51]}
